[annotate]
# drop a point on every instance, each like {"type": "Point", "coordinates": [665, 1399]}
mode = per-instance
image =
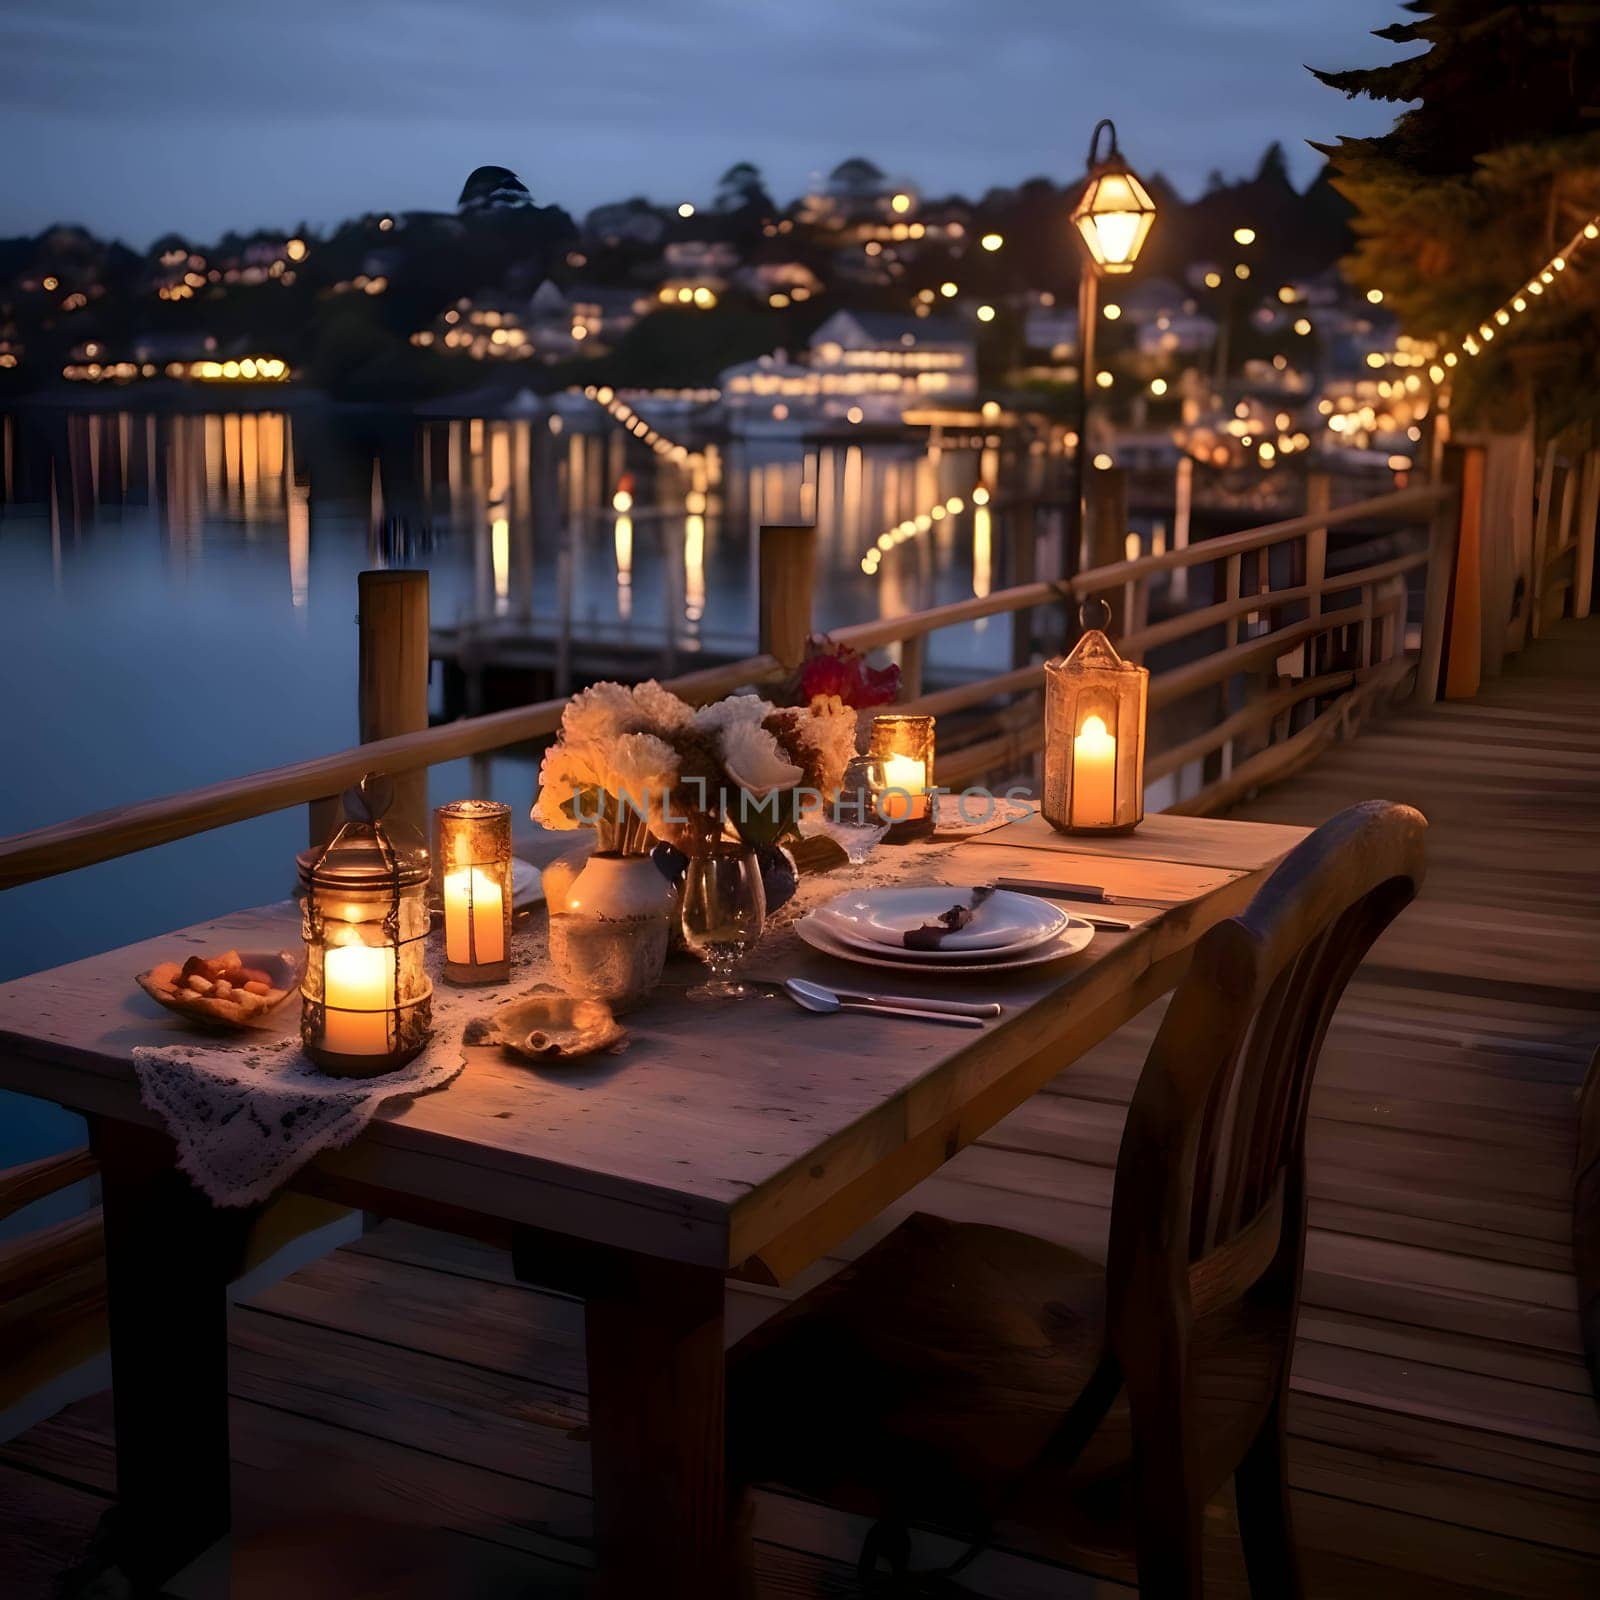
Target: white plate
{"type": "Point", "coordinates": [526, 889]}
{"type": "Point", "coordinates": [1075, 938]}
{"type": "Point", "coordinates": [1004, 921]}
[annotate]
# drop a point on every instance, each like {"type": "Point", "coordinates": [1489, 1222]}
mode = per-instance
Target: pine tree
{"type": "Point", "coordinates": [1493, 167]}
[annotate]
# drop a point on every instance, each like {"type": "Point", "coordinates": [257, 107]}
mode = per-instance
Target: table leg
{"type": "Point", "coordinates": [170, 1255]}
{"type": "Point", "coordinates": [654, 1335]}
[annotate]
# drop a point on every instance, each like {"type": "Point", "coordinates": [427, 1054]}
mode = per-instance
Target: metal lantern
{"type": "Point", "coordinates": [902, 748]}
{"type": "Point", "coordinates": [472, 876]}
{"type": "Point", "coordinates": [366, 1002]}
{"type": "Point", "coordinates": [1094, 726]}
{"type": "Point", "coordinates": [1115, 211]}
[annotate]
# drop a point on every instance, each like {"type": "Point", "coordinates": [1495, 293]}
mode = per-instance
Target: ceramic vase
{"type": "Point", "coordinates": [609, 932]}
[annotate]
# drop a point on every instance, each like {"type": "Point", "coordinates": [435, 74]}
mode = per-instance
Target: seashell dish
{"type": "Point", "coordinates": [549, 1027]}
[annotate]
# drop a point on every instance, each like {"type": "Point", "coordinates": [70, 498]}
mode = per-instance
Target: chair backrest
{"type": "Point", "coordinates": [1210, 1185]}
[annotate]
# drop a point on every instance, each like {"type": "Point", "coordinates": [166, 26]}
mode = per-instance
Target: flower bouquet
{"type": "Point", "coordinates": [640, 765]}
{"type": "Point", "coordinates": [651, 774]}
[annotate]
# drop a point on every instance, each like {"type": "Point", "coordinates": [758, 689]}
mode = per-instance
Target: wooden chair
{"type": "Point", "coordinates": [994, 1385]}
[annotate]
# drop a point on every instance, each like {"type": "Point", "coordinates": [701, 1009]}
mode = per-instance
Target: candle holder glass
{"type": "Point", "coordinates": [902, 747]}
{"type": "Point", "coordinates": [366, 1002]}
{"type": "Point", "coordinates": [472, 883]}
{"type": "Point", "coordinates": [1094, 734]}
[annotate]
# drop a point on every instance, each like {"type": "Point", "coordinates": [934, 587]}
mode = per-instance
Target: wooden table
{"type": "Point", "coordinates": [748, 1138]}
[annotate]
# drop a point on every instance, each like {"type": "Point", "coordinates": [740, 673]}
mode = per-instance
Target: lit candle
{"type": "Point", "coordinates": [1094, 775]}
{"type": "Point", "coordinates": [360, 978]}
{"type": "Point", "coordinates": [472, 899]}
{"type": "Point", "coordinates": [905, 773]}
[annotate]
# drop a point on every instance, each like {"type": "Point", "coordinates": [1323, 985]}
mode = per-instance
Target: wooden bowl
{"type": "Point", "coordinates": [236, 1009]}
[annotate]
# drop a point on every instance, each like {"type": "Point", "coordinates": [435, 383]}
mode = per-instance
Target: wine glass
{"type": "Point", "coordinates": [853, 820]}
{"type": "Point", "coordinates": [724, 907]}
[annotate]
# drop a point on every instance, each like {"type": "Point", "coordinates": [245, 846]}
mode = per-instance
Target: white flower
{"type": "Point", "coordinates": [643, 769]}
{"type": "Point", "coordinates": [565, 769]}
{"type": "Point", "coordinates": [601, 711]}
{"type": "Point", "coordinates": [830, 730]}
{"type": "Point", "coordinates": [660, 710]}
{"type": "Point", "coordinates": [754, 759]}
{"type": "Point", "coordinates": [736, 710]}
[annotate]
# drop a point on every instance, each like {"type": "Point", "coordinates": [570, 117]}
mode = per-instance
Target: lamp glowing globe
{"type": "Point", "coordinates": [1114, 213]}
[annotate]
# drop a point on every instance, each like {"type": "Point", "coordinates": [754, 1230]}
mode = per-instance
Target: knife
{"type": "Point", "coordinates": [1095, 892]}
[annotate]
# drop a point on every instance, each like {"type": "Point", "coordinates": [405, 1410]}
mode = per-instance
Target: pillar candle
{"type": "Point", "coordinates": [904, 773]}
{"type": "Point", "coordinates": [361, 977]}
{"type": "Point", "coordinates": [1094, 775]}
{"type": "Point", "coordinates": [485, 908]}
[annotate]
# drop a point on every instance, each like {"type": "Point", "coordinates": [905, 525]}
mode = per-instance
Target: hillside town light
{"type": "Point", "coordinates": [1113, 218]}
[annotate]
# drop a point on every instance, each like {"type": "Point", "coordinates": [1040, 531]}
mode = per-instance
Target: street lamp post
{"type": "Point", "coordinates": [1113, 217]}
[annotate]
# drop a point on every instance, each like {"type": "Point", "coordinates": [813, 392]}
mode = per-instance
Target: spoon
{"type": "Point", "coordinates": [815, 998]}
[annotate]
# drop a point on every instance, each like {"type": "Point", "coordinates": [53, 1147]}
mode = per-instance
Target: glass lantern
{"type": "Point", "coordinates": [472, 877]}
{"type": "Point", "coordinates": [366, 1002]}
{"type": "Point", "coordinates": [1114, 213]}
{"type": "Point", "coordinates": [902, 746]}
{"type": "Point", "coordinates": [1094, 727]}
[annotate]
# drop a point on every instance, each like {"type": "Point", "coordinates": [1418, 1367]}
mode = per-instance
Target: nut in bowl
{"type": "Point", "coordinates": [226, 991]}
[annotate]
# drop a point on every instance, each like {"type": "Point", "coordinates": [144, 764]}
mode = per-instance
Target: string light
{"type": "Point", "coordinates": [1519, 302]}
{"type": "Point", "coordinates": [912, 526]}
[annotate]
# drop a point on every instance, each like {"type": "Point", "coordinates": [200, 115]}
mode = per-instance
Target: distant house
{"type": "Point", "coordinates": [764, 279]}
{"type": "Point", "coordinates": [1051, 328]}
{"type": "Point", "coordinates": [883, 364]}
{"type": "Point", "coordinates": [1149, 300]}
{"type": "Point", "coordinates": [854, 190]}
{"type": "Point", "coordinates": [691, 258]}
{"type": "Point", "coordinates": [1180, 333]}
{"type": "Point", "coordinates": [606, 313]}
{"type": "Point", "coordinates": [486, 326]}
{"type": "Point", "coordinates": [771, 395]}
{"type": "Point", "coordinates": [626, 222]}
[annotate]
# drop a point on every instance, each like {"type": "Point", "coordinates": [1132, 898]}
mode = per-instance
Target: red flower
{"type": "Point", "coordinates": [831, 668]}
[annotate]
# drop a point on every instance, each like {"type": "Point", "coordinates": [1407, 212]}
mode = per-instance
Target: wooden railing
{"type": "Point", "coordinates": [1301, 652]}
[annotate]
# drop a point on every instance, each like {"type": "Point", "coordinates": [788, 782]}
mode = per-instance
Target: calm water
{"type": "Point", "coordinates": [177, 603]}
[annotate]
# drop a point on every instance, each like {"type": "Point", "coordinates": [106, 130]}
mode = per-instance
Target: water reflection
{"type": "Point", "coordinates": [559, 526]}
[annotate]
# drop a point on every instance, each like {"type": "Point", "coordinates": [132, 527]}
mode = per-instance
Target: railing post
{"type": "Point", "coordinates": [913, 653]}
{"type": "Point", "coordinates": [1106, 495]}
{"type": "Point", "coordinates": [1443, 537]}
{"type": "Point", "coordinates": [392, 690]}
{"type": "Point", "coordinates": [1583, 559]}
{"type": "Point", "coordinates": [787, 576]}
{"type": "Point", "coordinates": [1023, 569]}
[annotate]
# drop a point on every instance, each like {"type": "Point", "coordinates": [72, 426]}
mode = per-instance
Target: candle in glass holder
{"type": "Point", "coordinates": [1094, 775]}
{"type": "Point", "coordinates": [358, 995]}
{"type": "Point", "coordinates": [903, 748]}
{"type": "Point", "coordinates": [365, 999]}
{"type": "Point", "coordinates": [1094, 732]}
{"type": "Point", "coordinates": [472, 862]}
{"type": "Point", "coordinates": [474, 917]}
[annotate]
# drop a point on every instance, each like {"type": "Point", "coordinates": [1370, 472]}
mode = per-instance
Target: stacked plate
{"type": "Point", "coordinates": [1005, 930]}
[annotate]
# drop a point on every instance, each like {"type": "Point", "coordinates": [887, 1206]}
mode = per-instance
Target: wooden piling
{"type": "Point", "coordinates": [392, 685]}
{"type": "Point", "coordinates": [788, 554]}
